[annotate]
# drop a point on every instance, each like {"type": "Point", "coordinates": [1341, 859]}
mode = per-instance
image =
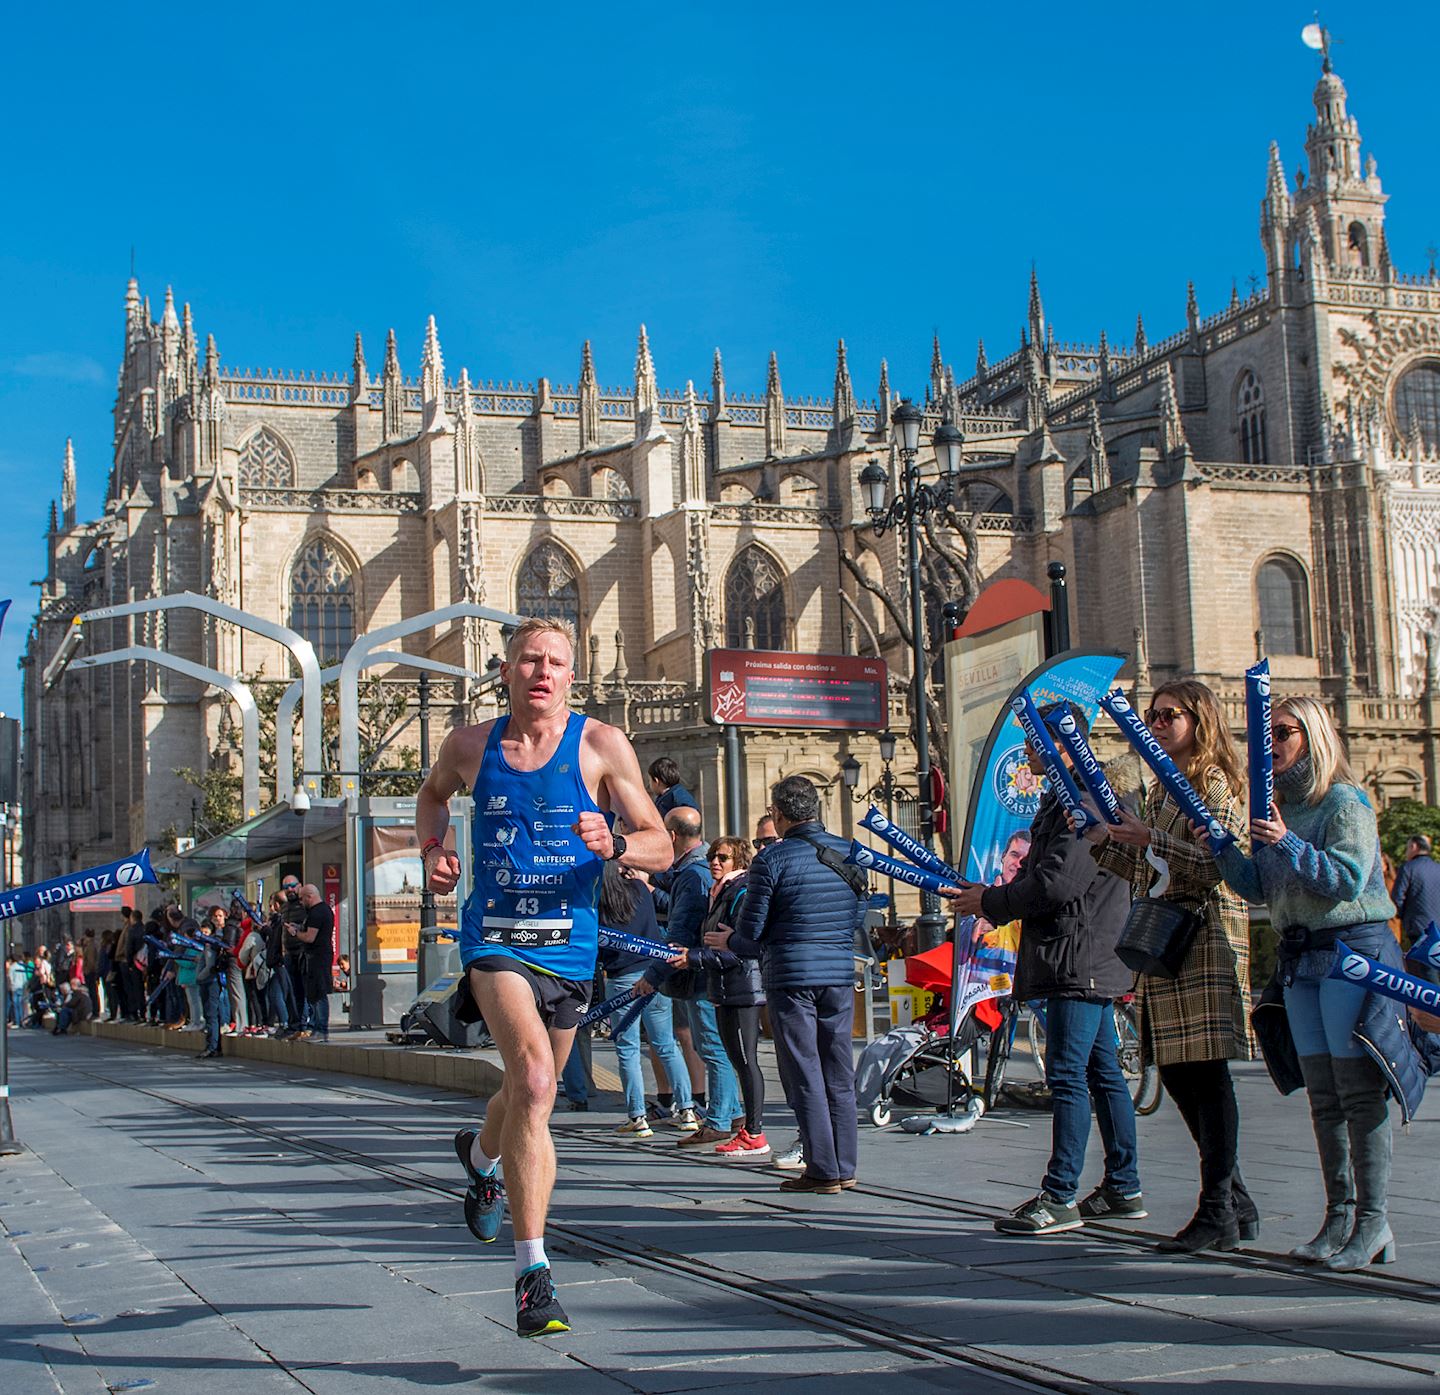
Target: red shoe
{"type": "Point", "coordinates": [744, 1146]}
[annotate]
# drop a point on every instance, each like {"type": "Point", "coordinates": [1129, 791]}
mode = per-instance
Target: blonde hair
{"type": "Point", "coordinates": [1215, 751]}
{"type": "Point", "coordinates": [542, 626]}
{"type": "Point", "coordinates": [1329, 762]}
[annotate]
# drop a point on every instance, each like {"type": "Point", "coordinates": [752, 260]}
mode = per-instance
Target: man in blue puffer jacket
{"type": "Point", "coordinates": [801, 910]}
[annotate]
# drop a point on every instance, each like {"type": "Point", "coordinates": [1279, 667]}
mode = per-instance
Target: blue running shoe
{"type": "Point", "coordinates": [537, 1310]}
{"type": "Point", "coordinates": [485, 1196]}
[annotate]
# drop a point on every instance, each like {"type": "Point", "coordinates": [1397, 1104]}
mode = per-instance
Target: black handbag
{"type": "Point", "coordinates": [1157, 937]}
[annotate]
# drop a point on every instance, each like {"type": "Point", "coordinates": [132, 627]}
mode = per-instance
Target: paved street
{"type": "Point", "coordinates": [248, 1228]}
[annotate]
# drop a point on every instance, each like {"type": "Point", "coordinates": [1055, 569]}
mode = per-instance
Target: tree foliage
{"type": "Point", "coordinates": [1402, 820]}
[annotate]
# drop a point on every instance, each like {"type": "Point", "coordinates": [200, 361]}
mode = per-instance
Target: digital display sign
{"type": "Point", "coordinates": [770, 688]}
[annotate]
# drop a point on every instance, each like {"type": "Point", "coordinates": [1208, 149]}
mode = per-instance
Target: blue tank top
{"type": "Point", "coordinates": [537, 886]}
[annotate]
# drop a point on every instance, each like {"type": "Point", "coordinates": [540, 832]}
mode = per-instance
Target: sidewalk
{"type": "Point", "coordinates": [266, 1230]}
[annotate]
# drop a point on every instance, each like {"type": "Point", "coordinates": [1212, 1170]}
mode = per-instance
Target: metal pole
{"type": "Point", "coordinates": [427, 897]}
{"type": "Point", "coordinates": [9, 1144]}
{"type": "Point", "coordinates": [930, 925]}
{"type": "Point", "coordinates": [1058, 631]}
{"type": "Point", "coordinates": [733, 819]}
{"type": "Point", "coordinates": [890, 814]}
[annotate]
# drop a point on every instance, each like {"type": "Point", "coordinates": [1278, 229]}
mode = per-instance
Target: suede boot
{"type": "Point", "coordinates": [1361, 1088]}
{"type": "Point", "coordinates": [1332, 1140]}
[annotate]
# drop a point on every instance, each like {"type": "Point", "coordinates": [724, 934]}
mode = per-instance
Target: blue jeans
{"type": "Point", "coordinates": [573, 1078]}
{"type": "Point", "coordinates": [658, 1018]}
{"type": "Point", "coordinates": [722, 1089]}
{"type": "Point", "coordinates": [1324, 1012]}
{"type": "Point", "coordinates": [277, 1000]}
{"type": "Point", "coordinates": [216, 999]}
{"type": "Point", "coordinates": [1080, 1065]}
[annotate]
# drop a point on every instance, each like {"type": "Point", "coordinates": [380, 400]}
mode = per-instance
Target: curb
{"type": "Point", "coordinates": [441, 1070]}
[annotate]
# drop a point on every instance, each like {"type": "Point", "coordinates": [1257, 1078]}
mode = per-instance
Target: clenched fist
{"type": "Point", "coordinates": [594, 832]}
{"type": "Point", "coordinates": [442, 870]}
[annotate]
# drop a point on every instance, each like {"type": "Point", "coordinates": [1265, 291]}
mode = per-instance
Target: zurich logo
{"type": "Point", "coordinates": [1067, 724]}
{"type": "Point", "coordinates": [864, 857]}
{"type": "Point", "coordinates": [1262, 684]}
{"type": "Point", "coordinates": [1216, 829]}
{"type": "Point", "coordinates": [128, 874]}
{"type": "Point", "coordinates": [502, 876]}
{"type": "Point", "coordinates": [1355, 967]}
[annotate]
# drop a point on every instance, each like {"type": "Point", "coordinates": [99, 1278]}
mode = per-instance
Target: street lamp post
{"type": "Point", "coordinates": [914, 501]}
{"type": "Point", "coordinates": [850, 778]}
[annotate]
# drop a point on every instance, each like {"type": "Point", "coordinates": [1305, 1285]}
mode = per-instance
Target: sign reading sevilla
{"type": "Point", "coordinates": [769, 688]}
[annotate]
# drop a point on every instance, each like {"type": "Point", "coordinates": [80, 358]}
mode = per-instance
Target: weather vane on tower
{"type": "Point", "coordinates": [1316, 36]}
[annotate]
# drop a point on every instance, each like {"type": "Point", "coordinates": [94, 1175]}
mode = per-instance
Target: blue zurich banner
{"type": "Point", "coordinates": [913, 848]}
{"type": "Point", "coordinates": [1350, 967]}
{"type": "Point", "coordinates": [128, 871]}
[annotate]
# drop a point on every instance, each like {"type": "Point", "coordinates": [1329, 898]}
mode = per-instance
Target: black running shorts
{"type": "Point", "coordinates": [561, 1002]}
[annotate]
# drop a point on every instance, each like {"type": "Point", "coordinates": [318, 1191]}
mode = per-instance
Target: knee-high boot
{"type": "Point", "coordinates": [1361, 1088]}
{"type": "Point", "coordinates": [1332, 1141]}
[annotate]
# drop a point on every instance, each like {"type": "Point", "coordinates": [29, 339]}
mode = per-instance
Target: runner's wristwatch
{"type": "Point", "coordinates": [620, 845]}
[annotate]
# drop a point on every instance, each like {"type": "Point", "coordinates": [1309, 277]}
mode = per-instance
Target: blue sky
{"type": "Point", "coordinates": [748, 176]}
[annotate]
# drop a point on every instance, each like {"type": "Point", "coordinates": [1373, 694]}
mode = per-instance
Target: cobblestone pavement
{"type": "Point", "coordinates": [179, 1225]}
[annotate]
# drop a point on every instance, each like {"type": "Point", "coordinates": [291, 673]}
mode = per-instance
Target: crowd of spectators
{"type": "Point", "coordinates": [218, 970]}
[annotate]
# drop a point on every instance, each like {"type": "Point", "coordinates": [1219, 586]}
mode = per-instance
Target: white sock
{"type": "Point", "coordinates": [529, 1253]}
{"type": "Point", "coordinates": [479, 1160]}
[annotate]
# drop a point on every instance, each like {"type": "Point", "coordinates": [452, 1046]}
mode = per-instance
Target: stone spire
{"type": "Point", "coordinates": [132, 310]}
{"type": "Point", "coordinates": [774, 412]}
{"type": "Point", "coordinates": [589, 400]}
{"type": "Point", "coordinates": [67, 484]}
{"type": "Point", "coordinates": [647, 395]}
{"type": "Point", "coordinates": [1037, 310]}
{"type": "Point", "coordinates": [189, 373]}
{"type": "Point", "coordinates": [882, 398]}
{"type": "Point", "coordinates": [1141, 342]}
{"type": "Point", "coordinates": [718, 408]}
{"type": "Point", "coordinates": [937, 369]}
{"type": "Point", "coordinates": [359, 377]}
{"type": "Point", "coordinates": [436, 420]}
{"type": "Point", "coordinates": [1172, 429]}
{"type": "Point", "coordinates": [169, 320]}
{"type": "Point", "coordinates": [467, 453]}
{"type": "Point", "coordinates": [54, 519]}
{"type": "Point", "coordinates": [1095, 450]}
{"type": "Point", "coordinates": [394, 387]}
{"type": "Point", "coordinates": [982, 364]}
{"type": "Point", "coordinates": [1192, 311]}
{"type": "Point", "coordinates": [1104, 361]}
{"type": "Point", "coordinates": [692, 450]}
{"type": "Point", "coordinates": [844, 392]}
{"type": "Point", "coordinates": [212, 411]}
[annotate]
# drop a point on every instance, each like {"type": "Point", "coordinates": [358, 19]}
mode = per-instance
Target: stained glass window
{"type": "Point", "coordinates": [1284, 600]}
{"type": "Point", "coordinates": [1250, 419]}
{"type": "Point", "coordinates": [322, 600]}
{"type": "Point", "coordinates": [546, 587]}
{"type": "Point", "coordinates": [1417, 406]}
{"type": "Point", "coordinates": [755, 590]}
{"type": "Point", "coordinates": [266, 462]}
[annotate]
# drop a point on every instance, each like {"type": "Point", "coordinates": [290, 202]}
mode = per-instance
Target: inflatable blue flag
{"type": "Point", "coordinates": [635, 944]}
{"type": "Point", "coordinates": [607, 1007]}
{"type": "Point", "coordinates": [1426, 950]}
{"type": "Point", "coordinates": [915, 850]}
{"type": "Point", "coordinates": [128, 871]}
{"type": "Point", "coordinates": [1359, 969]}
{"type": "Point", "coordinates": [1063, 787]}
{"type": "Point", "coordinates": [1166, 771]}
{"type": "Point", "coordinates": [1259, 739]}
{"type": "Point", "coordinates": [873, 861]}
{"type": "Point", "coordinates": [1085, 763]}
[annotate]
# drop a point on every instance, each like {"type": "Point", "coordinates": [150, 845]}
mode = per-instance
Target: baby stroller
{"type": "Point", "coordinates": [922, 1065]}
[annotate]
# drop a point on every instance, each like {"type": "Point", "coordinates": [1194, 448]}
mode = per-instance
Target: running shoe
{"type": "Point", "coordinates": [744, 1146]}
{"type": "Point", "coordinates": [1105, 1203]}
{"type": "Point", "coordinates": [684, 1120]}
{"type": "Point", "coordinates": [537, 1310]}
{"type": "Point", "coordinates": [484, 1197]}
{"type": "Point", "coordinates": [1041, 1215]}
{"type": "Point", "coordinates": [793, 1158]}
{"type": "Point", "coordinates": [638, 1127]}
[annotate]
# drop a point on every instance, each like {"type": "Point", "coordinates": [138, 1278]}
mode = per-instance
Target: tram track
{"type": "Point", "coordinates": [852, 1324]}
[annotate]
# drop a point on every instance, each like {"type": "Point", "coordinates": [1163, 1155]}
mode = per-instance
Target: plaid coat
{"type": "Point", "coordinates": [1204, 1014]}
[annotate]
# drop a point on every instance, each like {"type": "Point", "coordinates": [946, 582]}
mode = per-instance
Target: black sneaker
{"type": "Point", "coordinates": [1105, 1203]}
{"type": "Point", "coordinates": [484, 1197]}
{"type": "Point", "coordinates": [537, 1311]}
{"type": "Point", "coordinates": [1041, 1215]}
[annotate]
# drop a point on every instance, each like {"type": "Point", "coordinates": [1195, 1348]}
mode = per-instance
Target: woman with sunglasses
{"type": "Point", "coordinates": [1316, 863]}
{"type": "Point", "coordinates": [733, 985]}
{"type": "Point", "coordinates": [1194, 1025]}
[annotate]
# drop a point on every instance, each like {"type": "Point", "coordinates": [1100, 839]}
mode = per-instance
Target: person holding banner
{"type": "Point", "coordinates": [1070, 915]}
{"type": "Point", "coordinates": [1194, 1025]}
{"type": "Point", "coordinates": [1316, 865]}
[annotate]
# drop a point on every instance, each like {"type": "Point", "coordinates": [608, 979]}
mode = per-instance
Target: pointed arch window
{"type": "Point", "coordinates": [266, 462]}
{"type": "Point", "coordinates": [1417, 406]}
{"type": "Point", "coordinates": [1250, 419]}
{"type": "Point", "coordinates": [755, 592]}
{"type": "Point", "coordinates": [547, 587]}
{"type": "Point", "coordinates": [1283, 600]}
{"type": "Point", "coordinates": [322, 600]}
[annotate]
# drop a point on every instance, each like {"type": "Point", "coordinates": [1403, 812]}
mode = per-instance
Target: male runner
{"type": "Point", "coordinates": [546, 782]}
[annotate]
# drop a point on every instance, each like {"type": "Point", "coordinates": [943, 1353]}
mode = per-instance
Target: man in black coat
{"type": "Point", "coordinates": [1071, 916]}
{"type": "Point", "coordinates": [1417, 898]}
